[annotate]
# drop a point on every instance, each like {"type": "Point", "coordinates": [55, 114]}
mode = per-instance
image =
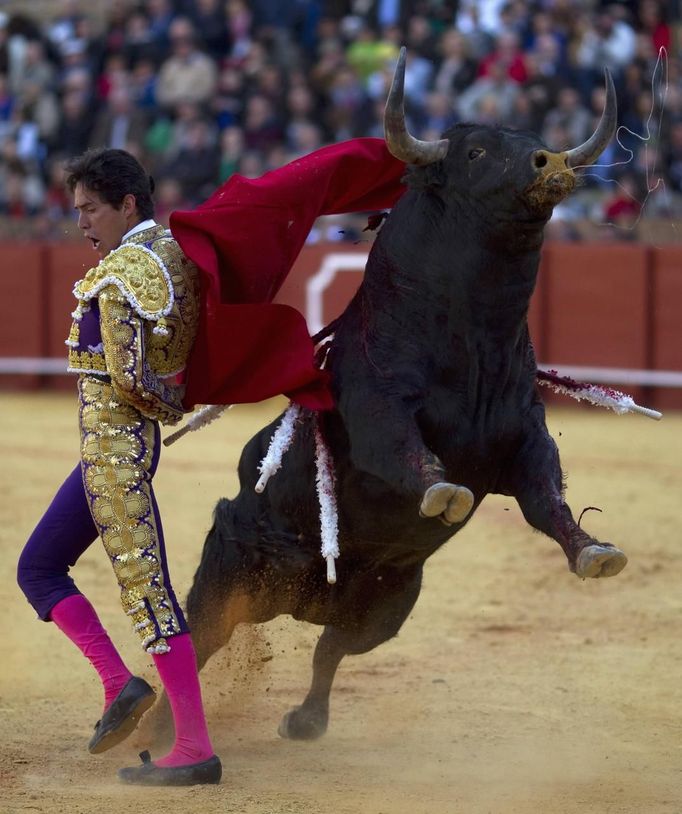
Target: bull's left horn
{"type": "Point", "coordinates": [590, 151]}
{"type": "Point", "coordinates": [400, 143]}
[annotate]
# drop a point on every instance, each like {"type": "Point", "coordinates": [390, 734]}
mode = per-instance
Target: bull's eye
{"type": "Point", "coordinates": [477, 152]}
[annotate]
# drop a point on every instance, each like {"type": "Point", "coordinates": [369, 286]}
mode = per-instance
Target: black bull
{"type": "Point", "coordinates": [434, 377]}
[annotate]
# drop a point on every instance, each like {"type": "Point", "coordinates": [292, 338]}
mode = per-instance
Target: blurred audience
{"type": "Point", "coordinates": [203, 89]}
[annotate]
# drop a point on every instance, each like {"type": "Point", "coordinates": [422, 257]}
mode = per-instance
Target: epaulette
{"type": "Point", "coordinates": [139, 274]}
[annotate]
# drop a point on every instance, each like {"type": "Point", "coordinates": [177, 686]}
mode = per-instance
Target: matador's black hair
{"type": "Point", "coordinates": [113, 174]}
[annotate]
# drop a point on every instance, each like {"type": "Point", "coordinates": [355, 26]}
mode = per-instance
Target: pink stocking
{"type": "Point", "coordinates": [178, 674]}
{"type": "Point", "coordinates": [76, 618]}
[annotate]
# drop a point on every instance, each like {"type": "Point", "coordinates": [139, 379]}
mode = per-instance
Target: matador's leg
{"type": "Point", "coordinates": [119, 453]}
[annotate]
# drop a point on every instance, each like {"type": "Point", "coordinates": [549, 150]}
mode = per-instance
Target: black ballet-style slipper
{"type": "Point", "coordinates": [208, 771]}
{"type": "Point", "coordinates": [123, 715]}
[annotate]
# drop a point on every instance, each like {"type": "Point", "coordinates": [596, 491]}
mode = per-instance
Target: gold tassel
{"type": "Point", "coordinates": [161, 327]}
{"type": "Point", "coordinates": [74, 335]}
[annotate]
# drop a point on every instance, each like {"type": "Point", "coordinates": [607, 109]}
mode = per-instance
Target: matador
{"type": "Point", "coordinates": [133, 327]}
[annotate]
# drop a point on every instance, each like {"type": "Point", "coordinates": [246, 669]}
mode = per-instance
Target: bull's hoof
{"type": "Point", "coordinates": [600, 560]}
{"type": "Point", "coordinates": [300, 724]}
{"type": "Point", "coordinates": [448, 501]}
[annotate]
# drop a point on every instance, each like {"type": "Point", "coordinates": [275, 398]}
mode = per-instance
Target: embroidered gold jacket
{"type": "Point", "coordinates": [142, 303]}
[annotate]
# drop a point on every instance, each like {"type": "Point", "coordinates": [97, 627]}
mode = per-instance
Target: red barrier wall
{"type": "Point", "coordinates": [67, 263]}
{"type": "Point", "coordinates": [597, 301]}
{"type": "Point", "coordinates": [666, 338]}
{"type": "Point", "coordinates": [22, 327]}
{"type": "Point", "coordinates": [614, 305]}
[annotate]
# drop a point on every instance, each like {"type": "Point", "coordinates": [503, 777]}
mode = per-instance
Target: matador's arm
{"type": "Point", "coordinates": [123, 339]}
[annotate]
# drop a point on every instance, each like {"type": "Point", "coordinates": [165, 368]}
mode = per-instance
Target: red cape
{"type": "Point", "coordinates": [245, 240]}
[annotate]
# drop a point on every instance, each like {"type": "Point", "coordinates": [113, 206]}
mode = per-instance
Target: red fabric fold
{"type": "Point", "coordinates": [245, 238]}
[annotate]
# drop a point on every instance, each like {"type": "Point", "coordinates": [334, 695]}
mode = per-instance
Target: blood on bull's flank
{"type": "Point", "coordinates": [436, 405]}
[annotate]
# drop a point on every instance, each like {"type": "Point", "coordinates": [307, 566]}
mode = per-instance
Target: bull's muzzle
{"type": "Point", "coordinates": [554, 180]}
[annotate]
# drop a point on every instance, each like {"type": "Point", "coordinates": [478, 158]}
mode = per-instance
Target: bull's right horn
{"type": "Point", "coordinates": [589, 152]}
{"type": "Point", "coordinates": [400, 143]}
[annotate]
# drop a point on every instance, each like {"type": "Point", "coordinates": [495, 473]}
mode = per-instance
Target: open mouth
{"type": "Point", "coordinates": [95, 243]}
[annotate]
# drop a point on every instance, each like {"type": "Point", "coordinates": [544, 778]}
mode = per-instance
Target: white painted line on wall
{"type": "Point", "coordinates": [320, 281]}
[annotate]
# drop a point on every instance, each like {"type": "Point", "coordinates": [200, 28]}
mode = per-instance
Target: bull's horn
{"type": "Point", "coordinates": [400, 143]}
{"type": "Point", "coordinates": [595, 145]}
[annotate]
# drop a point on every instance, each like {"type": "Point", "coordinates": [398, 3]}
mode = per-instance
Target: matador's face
{"type": "Point", "coordinates": [100, 222]}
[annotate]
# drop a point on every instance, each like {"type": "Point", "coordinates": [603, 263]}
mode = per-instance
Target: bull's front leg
{"type": "Point", "coordinates": [392, 449]}
{"type": "Point", "coordinates": [536, 481]}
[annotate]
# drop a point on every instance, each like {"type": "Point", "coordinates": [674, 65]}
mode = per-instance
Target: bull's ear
{"type": "Point", "coordinates": [430, 176]}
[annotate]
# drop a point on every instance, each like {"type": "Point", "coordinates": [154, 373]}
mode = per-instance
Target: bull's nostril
{"type": "Point", "coordinates": [540, 160]}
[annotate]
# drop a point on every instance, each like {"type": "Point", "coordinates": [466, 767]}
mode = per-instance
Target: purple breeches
{"type": "Point", "coordinates": [109, 494]}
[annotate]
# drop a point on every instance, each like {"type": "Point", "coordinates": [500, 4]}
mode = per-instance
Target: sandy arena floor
{"type": "Point", "coordinates": [513, 688]}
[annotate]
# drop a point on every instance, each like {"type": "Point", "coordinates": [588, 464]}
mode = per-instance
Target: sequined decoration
{"type": "Point", "coordinates": [159, 282]}
{"type": "Point", "coordinates": [117, 449]}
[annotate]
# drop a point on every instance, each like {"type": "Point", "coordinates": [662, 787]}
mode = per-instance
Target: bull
{"type": "Point", "coordinates": [434, 378]}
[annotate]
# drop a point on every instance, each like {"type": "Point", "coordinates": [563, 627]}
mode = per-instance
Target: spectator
{"type": "Point", "coordinates": [490, 98]}
{"type": "Point", "coordinates": [421, 40]}
{"type": "Point", "coordinates": [187, 74]}
{"type": "Point", "coordinates": [623, 208]}
{"type": "Point", "coordinates": [39, 106]}
{"type": "Point", "coordinates": [457, 68]}
{"type": "Point", "coordinates": [672, 156]}
{"type": "Point", "coordinates": [508, 55]}
{"type": "Point", "coordinates": [231, 150]}
{"type": "Point", "coordinates": [262, 128]}
{"type": "Point", "coordinates": [7, 105]}
{"type": "Point", "coordinates": [139, 42]}
{"type": "Point", "coordinates": [439, 115]}
{"type": "Point", "coordinates": [481, 42]}
{"type": "Point", "coordinates": [168, 197]}
{"type": "Point", "coordinates": [251, 164]}
{"type": "Point", "coordinates": [331, 59]}
{"type": "Point", "coordinates": [418, 75]}
{"type": "Point", "coordinates": [483, 15]}
{"type": "Point", "coordinates": [114, 76]}
{"type": "Point", "coordinates": [540, 90]}
{"type": "Point", "coordinates": [303, 138]}
{"type": "Point", "coordinates": [300, 113]}
{"type": "Point", "coordinates": [161, 14]}
{"type": "Point", "coordinates": [239, 21]}
{"type": "Point", "coordinates": [195, 167]}
{"type": "Point", "coordinates": [651, 20]}
{"type": "Point", "coordinates": [119, 123]}
{"type": "Point", "coordinates": [347, 104]}
{"type": "Point", "coordinates": [570, 115]}
{"type": "Point", "coordinates": [605, 42]}
{"type": "Point", "coordinates": [75, 129]}
{"type": "Point", "coordinates": [21, 189]}
{"type": "Point", "coordinates": [367, 53]}
{"type": "Point", "coordinates": [271, 84]}
{"type": "Point", "coordinates": [36, 68]}
{"type": "Point", "coordinates": [63, 25]}
{"type": "Point", "coordinates": [142, 85]}
{"type": "Point", "coordinates": [209, 18]}
{"type": "Point", "coordinates": [58, 203]}
{"type": "Point", "coordinates": [167, 136]}
{"type": "Point", "coordinates": [227, 104]}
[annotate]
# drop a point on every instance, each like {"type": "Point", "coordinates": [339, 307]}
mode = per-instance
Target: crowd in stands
{"type": "Point", "coordinates": [203, 89]}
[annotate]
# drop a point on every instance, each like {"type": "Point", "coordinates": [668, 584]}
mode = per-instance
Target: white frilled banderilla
{"type": "Point", "coordinates": [272, 462]}
{"type": "Point", "coordinates": [325, 481]}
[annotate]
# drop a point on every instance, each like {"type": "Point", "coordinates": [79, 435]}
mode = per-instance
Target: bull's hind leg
{"type": "Point", "coordinates": [309, 721]}
{"type": "Point", "coordinates": [370, 613]}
